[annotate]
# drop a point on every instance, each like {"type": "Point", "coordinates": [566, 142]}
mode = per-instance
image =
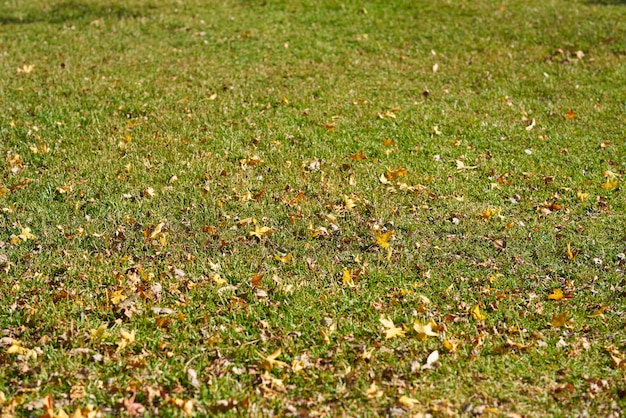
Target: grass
{"type": "Point", "coordinates": [205, 183]}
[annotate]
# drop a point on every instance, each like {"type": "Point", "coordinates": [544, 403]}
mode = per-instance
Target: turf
{"type": "Point", "coordinates": [312, 208]}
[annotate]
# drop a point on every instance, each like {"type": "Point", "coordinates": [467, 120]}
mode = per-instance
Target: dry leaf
{"type": "Point", "coordinates": [270, 361]}
{"type": "Point", "coordinates": [346, 278]}
{"type": "Point", "coordinates": [557, 294]}
{"type": "Point", "coordinates": [478, 314]}
{"type": "Point", "coordinates": [407, 402]}
{"type": "Point", "coordinates": [382, 240]}
{"type": "Point", "coordinates": [391, 330]}
{"type": "Point", "coordinates": [261, 231]}
{"type": "Point", "coordinates": [424, 331]}
{"type": "Point", "coordinates": [559, 320]}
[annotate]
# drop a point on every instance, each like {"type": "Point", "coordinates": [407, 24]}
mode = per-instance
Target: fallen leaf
{"type": "Point", "coordinates": [360, 156]}
{"type": "Point", "coordinates": [489, 213]}
{"type": "Point", "coordinates": [478, 314]}
{"type": "Point", "coordinates": [261, 231]}
{"type": "Point", "coordinates": [451, 345]}
{"type": "Point", "coordinates": [346, 278]}
{"type": "Point", "coordinates": [382, 239]}
{"type": "Point", "coordinates": [391, 330]}
{"type": "Point", "coordinates": [431, 360]}
{"type": "Point", "coordinates": [157, 231]}
{"type": "Point", "coordinates": [424, 331]}
{"type": "Point", "coordinates": [407, 402]}
{"type": "Point", "coordinates": [270, 361]}
{"type": "Point", "coordinates": [559, 320]}
{"type": "Point", "coordinates": [373, 391]}
{"type": "Point", "coordinates": [25, 234]}
{"type": "Point", "coordinates": [26, 69]}
{"type": "Point", "coordinates": [557, 294]}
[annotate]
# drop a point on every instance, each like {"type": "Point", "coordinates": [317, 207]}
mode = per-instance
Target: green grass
{"type": "Point", "coordinates": [194, 117]}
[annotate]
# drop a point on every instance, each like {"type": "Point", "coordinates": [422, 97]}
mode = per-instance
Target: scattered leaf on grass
{"type": "Point", "coordinates": [478, 314]}
{"type": "Point", "coordinates": [270, 361]}
{"type": "Point", "coordinates": [382, 239]}
{"type": "Point", "coordinates": [559, 320]}
{"type": "Point", "coordinates": [346, 278]}
{"type": "Point", "coordinates": [424, 331]}
{"type": "Point", "coordinates": [261, 231]}
{"type": "Point", "coordinates": [407, 402]}
{"type": "Point", "coordinates": [557, 294]}
{"type": "Point", "coordinates": [391, 330]}
{"type": "Point", "coordinates": [488, 213]}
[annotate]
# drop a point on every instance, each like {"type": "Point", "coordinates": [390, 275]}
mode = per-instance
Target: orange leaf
{"type": "Point", "coordinates": [559, 320]}
{"type": "Point", "coordinates": [256, 279]}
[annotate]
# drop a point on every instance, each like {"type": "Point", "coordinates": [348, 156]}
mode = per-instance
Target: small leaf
{"type": "Point", "coordinates": [489, 213]}
{"type": "Point", "coordinates": [25, 234]}
{"type": "Point", "coordinates": [424, 331]}
{"type": "Point", "coordinates": [382, 240]}
{"type": "Point", "coordinates": [346, 278]}
{"type": "Point", "coordinates": [570, 253]}
{"type": "Point", "coordinates": [270, 361]}
{"type": "Point", "coordinates": [260, 231]}
{"type": "Point", "coordinates": [559, 320]}
{"type": "Point", "coordinates": [391, 330]}
{"type": "Point", "coordinates": [557, 294]}
{"type": "Point", "coordinates": [478, 314]}
{"type": "Point", "coordinates": [407, 402]}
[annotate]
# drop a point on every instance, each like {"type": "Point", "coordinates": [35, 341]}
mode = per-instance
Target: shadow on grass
{"type": "Point", "coordinates": [606, 2]}
{"type": "Point", "coordinates": [68, 11]}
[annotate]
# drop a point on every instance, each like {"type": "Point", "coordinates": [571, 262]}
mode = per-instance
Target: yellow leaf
{"type": "Point", "coordinates": [127, 339]}
{"type": "Point", "coordinates": [217, 279]}
{"type": "Point", "coordinates": [26, 69]}
{"type": "Point", "coordinates": [156, 231]}
{"type": "Point", "coordinates": [570, 254]}
{"type": "Point", "coordinates": [582, 196]}
{"type": "Point", "coordinates": [408, 402]}
{"type": "Point", "coordinates": [382, 240]}
{"type": "Point", "coordinates": [285, 259]}
{"type": "Point", "coordinates": [373, 391]}
{"type": "Point", "coordinates": [117, 297]}
{"type": "Point", "coordinates": [557, 294]}
{"type": "Point", "coordinates": [598, 313]}
{"type": "Point", "coordinates": [424, 331]}
{"type": "Point", "coordinates": [451, 345]}
{"type": "Point", "coordinates": [260, 231]}
{"type": "Point", "coordinates": [488, 213]}
{"type": "Point", "coordinates": [349, 202]}
{"type": "Point", "coordinates": [347, 278]}
{"type": "Point", "coordinates": [25, 235]}
{"type": "Point", "coordinates": [609, 184]}
{"type": "Point", "coordinates": [391, 330]}
{"type": "Point", "coordinates": [128, 336]}
{"type": "Point", "coordinates": [478, 314]}
{"type": "Point", "coordinates": [16, 348]}
{"type": "Point", "coordinates": [559, 320]}
{"type": "Point", "coordinates": [100, 332]}
{"type": "Point", "coordinates": [3, 191]}
{"type": "Point", "coordinates": [391, 175]}
{"type": "Point", "coordinates": [186, 406]}
{"type": "Point", "coordinates": [270, 361]}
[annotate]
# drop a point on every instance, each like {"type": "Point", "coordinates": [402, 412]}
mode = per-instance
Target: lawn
{"type": "Point", "coordinates": [312, 208]}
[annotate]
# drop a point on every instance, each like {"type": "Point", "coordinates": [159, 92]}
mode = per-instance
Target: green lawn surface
{"type": "Point", "coordinates": [312, 208]}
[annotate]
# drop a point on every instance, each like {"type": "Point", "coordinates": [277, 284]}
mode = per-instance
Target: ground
{"type": "Point", "coordinates": [312, 208]}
